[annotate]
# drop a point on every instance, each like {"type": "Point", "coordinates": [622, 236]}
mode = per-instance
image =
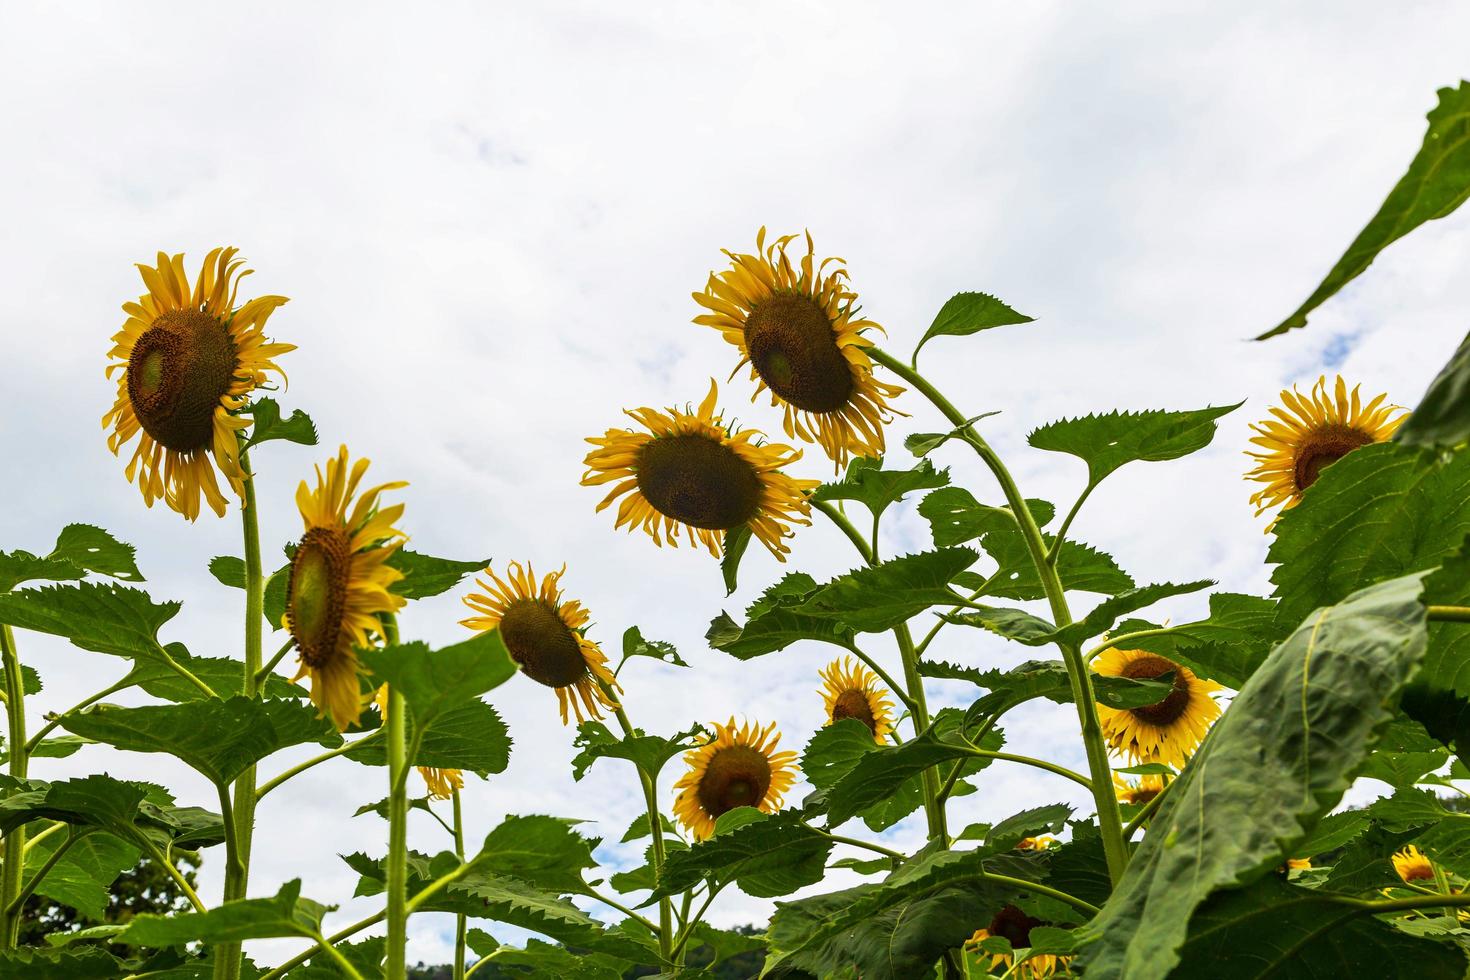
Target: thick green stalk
{"type": "Point", "coordinates": [460, 923]}
{"type": "Point", "coordinates": [397, 838]}
{"type": "Point", "coordinates": [237, 868]}
{"type": "Point", "coordinates": [656, 829]}
{"type": "Point", "coordinates": [1109, 819]}
{"type": "Point", "coordinates": [11, 877]}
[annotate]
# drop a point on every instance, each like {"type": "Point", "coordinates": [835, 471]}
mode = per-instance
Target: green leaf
{"type": "Point", "coordinates": [774, 622]}
{"type": "Point", "coordinates": [955, 516]}
{"type": "Point", "coordinates": [546, 960]}
{"type": "Point", "coordinates": [921, 444]}
{"type": "Point", "coordinates": [1023, 627]}
{"type": "Point", "coordinates": [81, 963]}
{"type": "Point", "coordinates": [1106, 442]}
{"type": "Point", "coordinates": [1274, 763]}
{"type": "Point", "coordinates": [895, 930]}
{"type": "Point", "coordinates": [1012, 830]}
{"type": "Point", "coordinates": [224, 676]}
{"type": "Point", "coordinates": [435, 681]}
{"type": "Point", "coordinates": [425, 576]}
{"type": "Point", "coordinates": [104, 618]}
{"type": "Point", "coordinates": [1226, 647]}
{"type": "Point", "coordinates": [520, 904]}
{"type": "Point", "coordinates": [80, 548]}
{"type": "Point", "coordinates": [876, 488]}
{"type": "Point", "coordinates": [1047, 679]}
{"type": "Point", "coordinates": [541, 851]}
{"type": "Point", "coordinates": [82, 878]}
{"type": "Point", "coordinates": [1276, 929]}
{"type": "Point", "coordinates": [1437, 182]}
{"type": "Point", "coordinates": [218, 738]}
{"type": "Point", "coordinates": [1379, 512]}
{"type": "Point", "coordinates": [269, 425]}
{"type": "Point", "coordinates": [833, 751]}
{"type": "Point", "coordinates": [228, 570]}
{"type": "Point", "coordinates": [91, 801]}
{"type": "Point", "coordinates": [737, 539]}
{"type": "Point", "coordinates": [1012, 624]}
{"type": "Point", "coordinates": [1442, 417]}
{"type": "Point", "coordinates": [648, 752]}
{"type": "Point", "coordinates": [634, 645]}
{"type": "Point", "coordinates": [885, 595]}
{"type": "Point", "coordinates": [287, 914]}
{"type": "Point", "coordinates": [967, 313]}
{"type": "Point", "coordinates": [770, 856]}
{"type": "Point", "coordinates": [275, 597]}
{"type": "Point", "coordinates": [471, 736]}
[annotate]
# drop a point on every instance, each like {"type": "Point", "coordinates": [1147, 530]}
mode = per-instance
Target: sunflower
{"type": "Point", "coordinates": [545, 636]}
{"type": "Point", "coordinates": [1035, 843]}
{"type": "Point", "coordinates": [1015, 927]}
{"type": "Point", "coordinates": [690, 470]}
{"type": "Point", "coordinates": [339, 581]}
{"type": "Point", "coordinates": [1298, 864]}
{"type": "Point", "coordinates": [1167, 732]}
{"type": "Point", "coordinates": [802, 336]}
{"type": "Point", "coordinates": [850, 690]}
{"type": "Point", "coordinates": [186, 361]}
{"type": "Point", "coordinates": [442, 783]}
{"type": "Point", "coordinates": [1309, 434]}
{"type": "Point", "coordinates": [1412, 865]}
{"type": "Point", "coordinates": [736, 767]}
{"type": "Point", "coordinates": [1140, 792]}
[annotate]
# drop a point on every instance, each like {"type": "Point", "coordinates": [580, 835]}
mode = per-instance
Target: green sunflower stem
{"type": "Point", "coordinates": [237, 866]}
{"type": "Point", "coordinates": [460, 922]}
{"type": "Point", "coordinates": [12, 875]}
{"type": "Point", "coordinates": [397, 871]}
{"type": "Point", "coordinates": [655, 828]}
{"type": "Point", "coordinates": [1110, 820]}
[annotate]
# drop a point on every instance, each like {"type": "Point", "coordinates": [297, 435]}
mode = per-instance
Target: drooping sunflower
{"type": "Point", "coordinates": [441, 783]}
{"type": "Point", "coordinates": [1167, 732]}
{"type": "Point", "coordinates": [798, 328]}
{"type": "Point", "coordinates": [545, 636]}
{"type": "Point", "coordinates": [851, 690]}
{"type": "Point", "coordinates": [339, 581]}
{"type": "Point", "coordinates": [736, 767]}
{"type": "Point", "coordinates": [1413, 865]}
{"type": "Point", "coordinates": [1309, 432]}
{"type": "Point", "coordinates": [186, 359]}
{"type": "Point", "coordinates": [691, 471]}
{"type": "Point", "coordinates": [1140, 792]}
{"type": "Point", "coordinates": [1015, 927]}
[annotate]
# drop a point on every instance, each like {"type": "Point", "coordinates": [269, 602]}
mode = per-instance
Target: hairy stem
{"type": "Point", "coordinates": [397, 871]}
{"type": "Point", "coordinates": [461, 925]}
{"type": "Point", "coordinates": [317, 760]}
{"type": "Point", "coordinates": [655, 828]}
{"type": "Point", "coordinates": [54, 720]}
{"type": "Point", "coordinates": [321, 943]}
{"type": "Point", "coordinates": [11, 879]}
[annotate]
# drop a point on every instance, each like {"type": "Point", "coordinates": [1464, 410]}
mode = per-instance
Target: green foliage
{"type": "Point", "coordinates": [435, 681]}
{"type": "Point", "coordinates": [648, 752]}
{"type": "Point", "coordinates": [766, 856]}
{"type": "Point", "coordinates": [1274, 764]}
{"type": "Point", "coordinates": [470, 736]}
{"type": "Point", "coordinates": [269, 425]}
{"type": "Point", "coordinates": [286, 914]}
{"type": "Point", "coordinates": [967, 313]}
{"type": "Point", "coordinates": [1437, 182]}
{"type": "Point", "coordinates": [1106, 442]}
{"type": "Point", "coordinates": [775, 621]}
{"type": "Point", "coordinates": [737, 539]}
{"type": "Point", "coordinates": [82, 878]}
{"type": "Point", "coordinates": [882, 596]}
{"type": "Point", "coordinates": [869, 484]}
{"type": "Point", "coordinates": [80, 548]}
{"type": "Point", "coordinates": [104, 618]}
{"type": "Point", "coordinates": [1442, 417]}
{"type": "Point", "coordinates": [1226, 647]}
{"type": "Point", "coordinates": [634, 645]}
{"type": "Point", "coordinates": [425, 576]}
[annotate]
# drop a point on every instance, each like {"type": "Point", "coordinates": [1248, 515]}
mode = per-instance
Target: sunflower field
{"type": "Point", "coordinates": [1217, 750]}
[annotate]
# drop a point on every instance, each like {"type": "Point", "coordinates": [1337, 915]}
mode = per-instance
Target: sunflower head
{"type": "Point", "coordinates": [738, 766]}
{"type": "Point", "coordinates": [545, 636]}
{"type": "Point", "coordinates": [1307, 433]}
{"type": "Point", "coordinates": [1413, 865]}
{"type": "Point", "coordinates": [1035, 843]}
{"type": "Point", "coordinates": [186, 360]}
{"type": "Point", "coordinates": [1140, 792]}
{"type": "Point", "coordinates": [851, 690]}
{"type": "Point", "coordinates": [690, 470]}
{"type": "Point", "coordinates": [339, 582]}
{"type": "Point", "coordinates": [442, 784]}
{"type": "Point", "coordinates": [1167, 732]}
{"type": "Point", "coordinates": [1014, 926]}
{"type": "Point", "coordinates": [797, 326]}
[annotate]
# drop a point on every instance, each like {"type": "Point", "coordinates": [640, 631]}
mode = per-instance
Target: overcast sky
{"type": "Point", "coordinates": [489, 220]}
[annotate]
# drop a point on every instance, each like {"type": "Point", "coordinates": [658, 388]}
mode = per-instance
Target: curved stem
{"type": "Point", "coordinates": [11, 877]}
{"type": "Point", "coordinates": [1121, 638]}
{"type": "Point", "coordinates": [1448, 614]}
{"type": "Point", "coordinates": [873, 665]}
{"type": "Point", "coordinates": [1040, 889]}
{"type": "Point", "coordinates": [689, 927]}
{"type": "Point", "coordinates": [183, 671]}
{"type": "Point", "coordinates": [1149, 809]}
{"type": "Point", "coordinates": [342, 962]}
{"type": "Point", "coordinates": [331, 940]}
{"type": "Point", "coordinates": [1027, 760]}
{"type": "Point", "coordinates": [868, 845]}
{"type": "Point", "coordinates": [611, 903]}
{"type": "Point", "coordinates": [1110, 821]}
{"type": "Point", "coordinates": [13, 909]}
{"type": "Point", "coordinates": [163, 862]}
{"type": "Point", "coordinates": [54, 828]}
{"type": "Point", "coordinates": [270, 666]}
{"type": "Point", "coordinates": [318, 760]}
{"type": "Point", "coordinates": [53, 721]}
{"type": "Point", "coordinates": [1056, 545]}
{"type": "Point", "coordinates": [847, 528]}
{"type": "Point", "coordinates": [460, 922]}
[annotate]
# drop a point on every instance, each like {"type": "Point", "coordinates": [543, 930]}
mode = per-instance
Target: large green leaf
{"type": "Point", "coordinates": [547, 960]}
{"type": "Point", "coordinates": [82, 878]}
{"type": "Point", "coordinates": [286, 914]}
{"type": "Point", "coordinates": [471, 736]}
{"type": "Point", "coordinates": [542, 851]}
{"type": "Point", "coordinates": [967, 313]}
{"type": "Point", "coordinates": [425, 575]}
{"type": "Point", "coordinates": [81, 963]}
{"type": "Point", "coordinates": [885, 595]}
{"type": "Point", "coordinates": [1379, 512]}
{"type": "Point", "coordinates": [435, 681]}
{"type": "Point", "coordinates": [634, 645]}
{"type": "Point", "coordinates": [224, 676]}
{"type": "Point", "coordinates": [1437, 182]}
{"type": "Point", "coordinates": [269, 425]}
{"type": "Point", "coordinates": [1226, 647]}
{"type": "Point", "coordinates": [104, 618]}
{"type": "Point", "coordinates": [1025, 628]}
{"type": "Point", "coordinates": [876, 488]}
{"type": "Point", "coordinates": [1442, 417]}
{"type": "Point", "coordinates": [1106, 442]}
{"type": "Point", "coordinates": [895, 930]}
{"type": "Point", "coordinates": [1278, 930]}
{"type": "Point", "coordinates": [955, 516]}
{"type": "Point", "coordinates": [517, 903]}
{"type": "Point", "coordinates": [648, 752]}
{"type": "Point", "coordinates": [769, 856]}
{"type": "Point", "coordinates": [80, 548]}
{"type": "Point", "coordinates": [774, 622]}
{"type": "Point", "coordinates": [218, 738]}
{"type": "Point", "coordinates": [1273, 765]}
{"type": "Point", "coordinates": [97, 801]}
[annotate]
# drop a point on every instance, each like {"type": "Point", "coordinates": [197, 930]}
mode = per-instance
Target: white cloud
{"type": "Point", "coordinates": [489, 221]}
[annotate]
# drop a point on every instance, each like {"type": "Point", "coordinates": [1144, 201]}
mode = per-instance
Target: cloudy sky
{"type": "Point", "coordinates": [489, 220]}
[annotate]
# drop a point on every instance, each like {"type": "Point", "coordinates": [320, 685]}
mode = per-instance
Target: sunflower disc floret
{"type": "Point", "coordinates": [738, 766]}
{"type": "Point", "coordinates": [850, 690]}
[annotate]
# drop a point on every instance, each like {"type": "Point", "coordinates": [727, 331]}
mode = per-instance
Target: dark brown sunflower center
{"type": "Point", "coordinates": [853, 703]}
{"type": "Point", "coordinates": [1167, 711]}
{"type": "Point", "coordinates": [317, 593]}
{"type": "Point", "coordinates": [543, 645]}
{"type": "Point", "coordinates": [177, 372]}
{"type": "Point", "coordinates": [1014, 925]}
{"type": "Point", "coordinates": [699, 481]}
{"type": "Point", "coordinates": [1324, 447]}
{"type": "Point", "coordinates": [735, 776]}
{"type": "Point", "coordinates": [794, 350]}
